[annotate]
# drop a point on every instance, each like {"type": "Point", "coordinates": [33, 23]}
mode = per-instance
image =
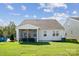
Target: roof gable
{"type": "Point", "coordinates": [27, 26]}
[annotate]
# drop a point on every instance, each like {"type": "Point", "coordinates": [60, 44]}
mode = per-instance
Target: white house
{"type": "Point", "coordinates": [72, 27]}
{"type": "Point", "coordinates": [40, 30]}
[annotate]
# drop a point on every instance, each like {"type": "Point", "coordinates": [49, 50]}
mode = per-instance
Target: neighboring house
{"type": "Point", "coordinates": [72, 27]}
{"type": "Point", "coordinates": [40, 30]}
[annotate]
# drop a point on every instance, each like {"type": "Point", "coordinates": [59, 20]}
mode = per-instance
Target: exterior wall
{"type": "Point", "coordinates": [50, 36]}
{"type": "Point", "coordinates": [72, 28]}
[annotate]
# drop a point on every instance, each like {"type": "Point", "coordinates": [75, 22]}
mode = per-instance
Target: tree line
{"type": "Point", "coordinates": [8, 31]}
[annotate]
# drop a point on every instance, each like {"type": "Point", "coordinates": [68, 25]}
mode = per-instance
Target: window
{"type": "Point", "coordinates": [53, 34]}
{"type": "Point", "coordinates": [45, 33]}
{"type": "Point", "coordinates": [57, 34]}
{"type": "Point", "coordinates": [65, 34]}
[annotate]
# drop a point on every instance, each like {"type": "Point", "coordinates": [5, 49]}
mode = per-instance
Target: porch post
{"type": "Point", "coordinates": [17, 34]}
{"type": "Point", "coordinates": [27, 34]}
{"type": "Point", "coordinates": [37, 35]}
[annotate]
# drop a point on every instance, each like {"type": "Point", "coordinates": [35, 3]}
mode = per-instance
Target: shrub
{"type": "Point", "coordinates": [12, 37]}
{"type": "Point", "coordinates": [72, 40]}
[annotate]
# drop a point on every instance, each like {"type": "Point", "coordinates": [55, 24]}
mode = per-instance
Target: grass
{"type": "Point", "coordinates": [39, 49]}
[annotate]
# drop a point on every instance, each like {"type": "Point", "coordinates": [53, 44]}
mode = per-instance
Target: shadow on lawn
{"type": "Point", "coordinates": [35, 43]}
{"type": "Point", "coordinates": [74, 41]}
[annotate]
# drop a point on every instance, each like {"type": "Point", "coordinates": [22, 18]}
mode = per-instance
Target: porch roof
{"type": "Point", "coordinates": [27, 26]}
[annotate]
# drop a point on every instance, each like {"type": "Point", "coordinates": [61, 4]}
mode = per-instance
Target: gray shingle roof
{"type": "Point", "coordinates": [44, 24]}
{"type": "Point", "coordinates": [76, 18]}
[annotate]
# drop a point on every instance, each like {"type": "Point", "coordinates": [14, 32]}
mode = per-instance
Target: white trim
{"type": "Point", "coordinates": [27, 26]}
{"type": "Point", "coordinates": [17, 34]}
{"type": "Point", "coordinates": [37, 35]}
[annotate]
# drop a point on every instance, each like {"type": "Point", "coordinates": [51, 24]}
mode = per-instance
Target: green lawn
{"type": "Point", "coordinates": [39, 49]}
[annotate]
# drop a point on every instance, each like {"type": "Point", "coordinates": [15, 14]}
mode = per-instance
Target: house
{"type": "Point", "coordinates": [40, 30]}
{"type": "Point", "coordinates": [72, 27]}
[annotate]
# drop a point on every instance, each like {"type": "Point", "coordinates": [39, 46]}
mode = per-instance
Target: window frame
{"type": "Point", "coordinates": [53, 33]}
{"type": "Point", "coordinates": [45, 33]}
{"type": "Point", "coordinates": [57, 33]}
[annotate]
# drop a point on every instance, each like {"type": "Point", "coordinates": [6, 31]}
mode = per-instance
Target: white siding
{"type": "Point", "coordinates": [50, 36]}
{"type": "Point", "coordinates": [72, 28]}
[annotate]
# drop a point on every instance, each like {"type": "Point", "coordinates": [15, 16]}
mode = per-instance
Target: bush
{"type": "Point", "coordinates": [12, 37]}
{"type": "Point", "coordinates": [72, 40]}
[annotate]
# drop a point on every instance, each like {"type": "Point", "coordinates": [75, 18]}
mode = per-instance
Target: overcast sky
{"type": "Point", "coordinates": [17, 12]}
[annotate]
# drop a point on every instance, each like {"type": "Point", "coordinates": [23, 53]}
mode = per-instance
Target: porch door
{"type": "Point", "coordinates": [32, 33]}
{"type": "Point", "coordinates": [31, 37]}
{"type": "Point", "coordinates": [24, 34]}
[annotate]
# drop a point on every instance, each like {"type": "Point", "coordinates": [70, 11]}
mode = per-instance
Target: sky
{"type": "Point", "coordinates": [18, 12]}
